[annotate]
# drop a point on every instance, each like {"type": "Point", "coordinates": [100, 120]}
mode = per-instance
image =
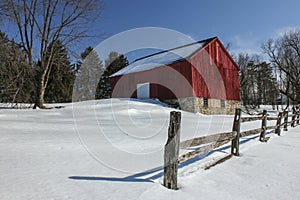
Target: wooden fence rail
{"type": "Point", "coordinates": [204, 144]}
{"type": "Point", "coordinates": [215, 141]}
{"type": "Point", "coordinates": [206, 139]}
{"type": "Point", "coordinates": [249, 119]}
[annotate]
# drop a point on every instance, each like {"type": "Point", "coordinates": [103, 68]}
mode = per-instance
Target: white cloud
{"type": "Point", "coordinates": [251, 44]}
{"type": "Point", "coordinates": [246, 44]}
{"type": "Point", "coordinates": [281, 31]}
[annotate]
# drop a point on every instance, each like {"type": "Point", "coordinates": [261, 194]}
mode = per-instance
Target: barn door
{"type": "Point", "coordinates": [143, 91]}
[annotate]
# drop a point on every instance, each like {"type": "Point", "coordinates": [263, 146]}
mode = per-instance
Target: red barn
{"type": "Point", "coordinates": [198, 77]}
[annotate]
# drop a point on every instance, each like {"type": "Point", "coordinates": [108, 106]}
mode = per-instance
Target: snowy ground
{"type": "Point", "coordinates": [112, 149]}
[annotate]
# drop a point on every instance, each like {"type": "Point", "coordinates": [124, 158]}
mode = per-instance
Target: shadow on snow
{"type": "Point", "coordinates": [158, 172]}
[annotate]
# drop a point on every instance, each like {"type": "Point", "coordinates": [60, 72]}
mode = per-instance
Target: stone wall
{"type": "Point", "coordinates": [231, 106]}
{"type": "Point", "coordinates": [196, 105]}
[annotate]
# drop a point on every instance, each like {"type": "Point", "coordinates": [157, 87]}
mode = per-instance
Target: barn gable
{"type": "Point", "coordinates": [215, 74]}
{"type": "Point", "coordinates": [198, 77]}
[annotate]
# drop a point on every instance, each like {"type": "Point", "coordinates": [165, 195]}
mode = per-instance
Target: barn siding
{"type": "Point", "coordinates": [169, 82]}
{"type": "Point", "coordinates": [214, 73]}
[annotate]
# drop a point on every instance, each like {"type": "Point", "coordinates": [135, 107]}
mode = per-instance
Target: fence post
{"type": "Point", "coordinates": [286, 118]}
{"type": "Point", "coordinates": [171, 151]}
{"type": "Point", "coordinates": [298, 115]}
{"type": "Point", "coordinates": [235, 143]}
{"type": "Point", "coordinates": [293, 117]}
{"type": "Point", "coordinates": [278, 124]}
{"type": "Point", "coordinates": [263, 126]}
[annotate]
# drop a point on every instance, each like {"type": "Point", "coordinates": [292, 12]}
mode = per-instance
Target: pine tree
{"type": "Point", "coordinates": [61, 78]}
{"type": "Point", "coordinates": [15, 74]}
{"type": "Point", "coordinates": [257, 82]}
{"type": "Point", "coordinates": [267, 90]}
{"type": "Point", "coordinates": [89, 72]}
{"type": "Point", "coordinates": [114, 63]}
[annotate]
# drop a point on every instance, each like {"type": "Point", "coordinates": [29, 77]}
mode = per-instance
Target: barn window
{"type": "Point", "coordinates": [222, 103]}
{"type": "Point", "coordinates": [205, 102]}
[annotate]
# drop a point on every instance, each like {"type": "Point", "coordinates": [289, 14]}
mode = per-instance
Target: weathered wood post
{"type": "Point", "coordinates": [296, 116]}
{"type": "Point", "coordinates": [286, 118]}
{"type": "Point", "coordinates": [262, 137]}
{"type": "Point", "coordinates": [293, 117]}
{"type": "Point", "coordinates": [278, 124]}
{"type": "Point", "coordinates": [235, 143]}
{"type": "Point", "coordinates": [298, 113]}
{"type": "Point", "coordinates": [172, 151]}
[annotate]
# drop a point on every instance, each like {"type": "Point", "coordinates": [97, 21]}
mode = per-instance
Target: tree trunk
{"type": "Point", "coordinates": [40, 92]}
{"type": "Point", "coordinates": [40, 97]}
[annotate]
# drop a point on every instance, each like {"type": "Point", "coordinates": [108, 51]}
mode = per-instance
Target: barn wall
{"type": "Point", "coordinates": [165, 82]}
{"type": "Point", "coordinates": [214, 73]}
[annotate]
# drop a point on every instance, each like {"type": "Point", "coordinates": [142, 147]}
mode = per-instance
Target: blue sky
{"type": "Point", "coordinates": [243, 24]}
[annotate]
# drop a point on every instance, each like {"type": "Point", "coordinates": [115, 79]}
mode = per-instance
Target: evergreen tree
{"type": "Point", "coordinates": [257, 82]}
{"type": "Point", "coordinates": [266, 84]}
{"type": "Point", "coordinates": [86, 52]}
{"type": "Point", "coordinates": [89, 72]}
{"type": "Point", "coordinates": [114, 63]}
{"type": "Point", "coordinates": [15, 74]}
{"type": "Point", "coordinates": [61, 78]}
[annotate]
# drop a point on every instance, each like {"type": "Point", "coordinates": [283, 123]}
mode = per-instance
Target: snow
{"type": "Point", "coordinates": [160, 59]}
{"type": "Point", "coordinates": [113, 149]}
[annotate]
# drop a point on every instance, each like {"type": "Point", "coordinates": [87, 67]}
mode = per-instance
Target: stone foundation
{"type": "Point", "coordinates": [231, 106]}
{"type": "Point", "coordinates": [196, 105]}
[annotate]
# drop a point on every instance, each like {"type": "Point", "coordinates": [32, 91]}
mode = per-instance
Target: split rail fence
{"type": "Point", "coordinates": [210, 142]}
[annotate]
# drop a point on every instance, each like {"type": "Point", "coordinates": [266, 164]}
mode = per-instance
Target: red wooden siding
{"type": "Point", "coordinates": [214, 73]}
{"type": "Point", "coordinates": [166, 82]}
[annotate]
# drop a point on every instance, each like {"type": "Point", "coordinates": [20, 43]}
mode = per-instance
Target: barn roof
{"type": "Point", "coordinates": [163, 58]}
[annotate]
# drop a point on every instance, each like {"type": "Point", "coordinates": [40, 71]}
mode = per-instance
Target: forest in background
{"type": "Point", "coordinates": [18, 79]}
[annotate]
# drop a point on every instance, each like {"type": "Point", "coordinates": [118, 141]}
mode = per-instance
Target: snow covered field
{"type": "Point", "coordinates": [113, 149]}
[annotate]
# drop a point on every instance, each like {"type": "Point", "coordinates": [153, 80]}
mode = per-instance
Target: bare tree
{"type": "Point", "coordinates": [41, 23]}
{"type": "Point", "coordinates": [284, 54]}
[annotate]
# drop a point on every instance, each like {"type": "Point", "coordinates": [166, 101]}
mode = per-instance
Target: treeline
{"type": "Point", "coordinates": [277, 81]}
{"type": "Point", "coordinates": [19, 80]}
{"type": "Point", "coordinates": [257, 82]}
{"type": "Point", "coordinates": [45, 31]}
